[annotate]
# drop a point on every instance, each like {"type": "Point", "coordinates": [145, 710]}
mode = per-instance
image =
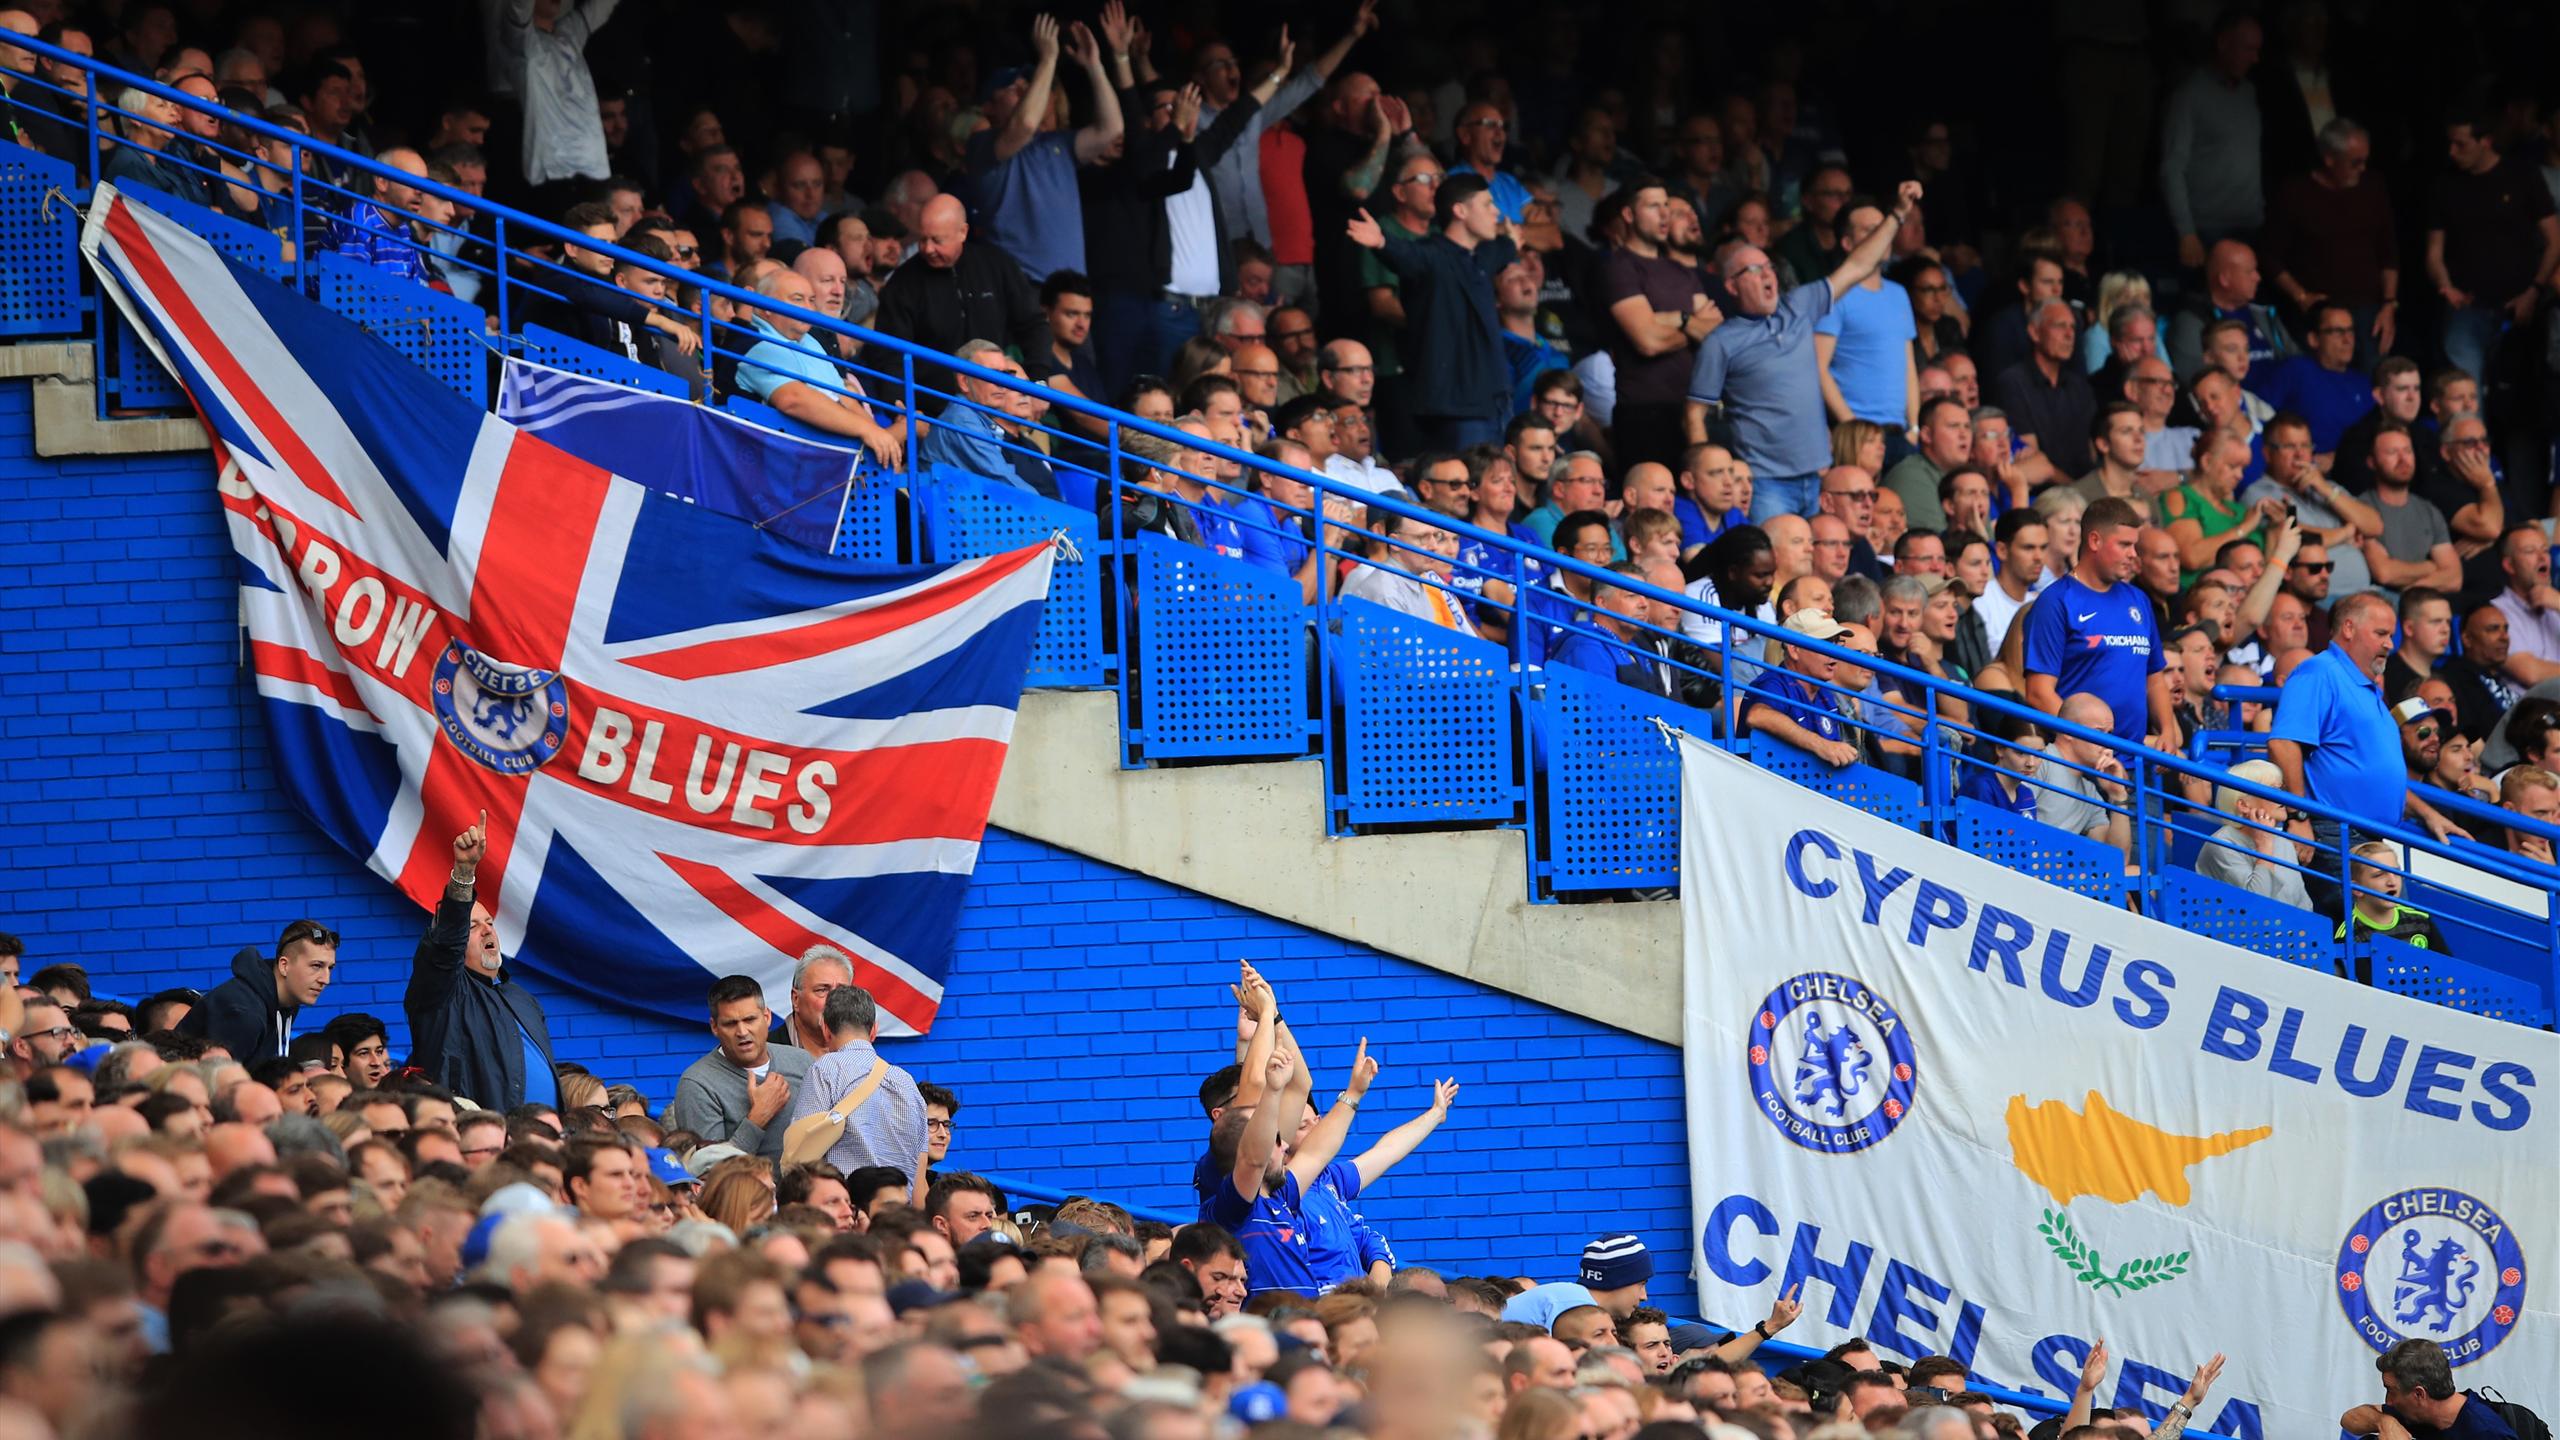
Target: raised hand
{"type": "Point", "coordinates": [1044, 36]}
{"type": "Point", "coordinates": [1905, 196]}
{"type": "Point", "coordinates": [2094, 1369]}
{"type": "Point", "coordinates": [1288, 52]}
{"type": "Point", "coordinates": [1444, 1093]}
{"type": "Point", "coordinates": [1399, 119]}
{"type": "Point", "coordinates": [1366, 20]}
{"type": "Point", "coordinates": [1784, 1310]}
{"type": "Point", "coordinates": [1140, 42]}
{"type": "Point", "coordinates": [2206, 1374]}
{"type": "Point", "coordinates": [1081, 47]}
{"type": "Point", "coordinates": [1186, 109]}
{"type": "Point", "coordinates": [1364, 232]}
{"type": "Point", "coordinates": [1364, 1069]}
{"type": "Point", "coordinates": [468, 847]}
{"type": "Point", "coordinates": [1284, 1063]}
{"type": "Point", "coordinates": [1116, 27]}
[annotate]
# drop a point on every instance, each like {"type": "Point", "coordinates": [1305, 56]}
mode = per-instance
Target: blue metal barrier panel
{"type": "Point", "coordinates": [1222, 657]}
{"type": "Point", "coordinates": [39, 245]}
{"type": "Point", "coordinates": [2057, 857]}
{"type": "Point", "coordinates": [2235, 917]}
{"type": "Point", "coordinates": [1426, 722]}
{"type": "Point", "coordinates": [447, 337]}
{"type": "Point", "coordinates": [965, 517]}
{"type": "Point", "coordinates": [1888, 797]}
{"type": "Point", "coordinates": [1611, 820]}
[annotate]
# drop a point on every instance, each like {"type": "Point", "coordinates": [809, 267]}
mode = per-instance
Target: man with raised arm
{"type": "Point", "coordinates": [1759, 365]}
{"type": "Point", "coordinates": [1261, 1191]}
{"type": "Point", "coordinates": [471, 1029]}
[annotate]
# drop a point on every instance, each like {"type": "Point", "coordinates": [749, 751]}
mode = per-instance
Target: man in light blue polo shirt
{"type": "Point", "coordinates": [2336, 743]}
{"type": "Point", "coordinates": [788, 371]}
{"type": "Point", "coordinates": [1022, 174]}
{"type": "Point", "coordinates": [1759, 365]}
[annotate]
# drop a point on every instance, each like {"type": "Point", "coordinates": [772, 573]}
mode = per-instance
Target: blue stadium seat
{"type": "Point", "coordinates": [2057, 857]}
{"type": "Point", "coordinates": [135, 380]}
{"type": "Point", "coordinates": [2233, 916]}
{"type": "Point", "coordinates": [444, 335]}
{"type": "Point", "coordinates": [1426, 723]}
{"type": "Point", "coordinates": [39, 245]}
{"type": "Point", "coordinates": [1222, 657]}
{"type": "Point", "coordinates": [2187, 833]}
{"type": "Point", "coordinates": [1610, 816]}
{"type": "Point", "coordinates": [2486, 934]}
{"type": "Point", "coordinates": [965, 517]}
{"type": "Point", "coordinates": [1887, 797]}
{"type": "Point", "coordinates": [549, 347]}
{"type": "Point", "coordinates": [2457, 984]}
{"type": "Point", "coordinates": [869, 529]}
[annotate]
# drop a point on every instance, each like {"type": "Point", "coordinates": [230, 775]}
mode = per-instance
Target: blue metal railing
{"type": "Point", "coordinates": [521, 270]}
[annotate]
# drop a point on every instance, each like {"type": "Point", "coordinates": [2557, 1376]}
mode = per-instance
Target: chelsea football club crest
{"type": "Point", "coordinates": [506, 717]}
{"type": "Point", "coordinates": [1832, 1064]}
{"type": "Point", "coordinates": [2432, 1264]}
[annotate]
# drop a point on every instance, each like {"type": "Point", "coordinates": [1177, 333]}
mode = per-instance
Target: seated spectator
{"type": "Point", "coordinates": [2377, 876]}
{"type": "Point", "coordinates": [2088, 793]}
{"type": "Point", "coordinates": [1622, 648]}
{"type": "Point", "coordinates": [1781, 704]}
{"type": "Point", "coordinates": [376, 232]}
{"type": "Point", "coordinates": [1411, 576]}
{"type": "Point", "coordinates": [2010, 758]}
{"type": "Point", "coordinates": [2259, 857]}
{"type": "Point", "coordinates": [610, 316]}
{"type": "Point", "coordinates": [787, 370]}
{"type": "Point", "coordinates": [2534, 793]}
{"type": "Point", "coordinates": [151, 146]}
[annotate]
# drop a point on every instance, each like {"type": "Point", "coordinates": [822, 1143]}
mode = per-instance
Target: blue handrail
{"type": "Point", "coordinates": [2152, 773]}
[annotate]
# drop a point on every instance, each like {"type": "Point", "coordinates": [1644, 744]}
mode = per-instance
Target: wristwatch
{"type": "Point", "coordinates": [1761, 1329]}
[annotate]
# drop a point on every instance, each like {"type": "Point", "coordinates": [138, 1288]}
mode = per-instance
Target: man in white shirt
{"type": "Point", "coordinates": [2020, 539]}
{"type": "Point", "coordinates": [1414, 576]}
{"type": "Point", "coordinates": [1353, 461]}
{"type": "Point", "coordinates": [546, 41]}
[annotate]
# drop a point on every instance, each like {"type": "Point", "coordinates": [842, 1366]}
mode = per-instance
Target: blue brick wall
{"type": "Point", "coordinates": [142, 833]}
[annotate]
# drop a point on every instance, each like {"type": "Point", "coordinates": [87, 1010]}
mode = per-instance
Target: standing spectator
{"type": "Point", "coordinates": [1530, 352]}
{"type": "Point", "coordinates": [823, 970]}
{"type": "Point", "coordinates": [1759, 365]}
{"type": "Point", "coordinates": [887, 1129]}
{"type": "Point", "coordinates": [1243, 208]}
{"type": "Point", "coordinates": [2092, 634]}
{"type": "Point", "coordinates": [1461, 385]}
{"type": "Point", "coordinates": [2209, 160]}
{"type": "Point", "coordinates": [1658, 312]}
{"type": "Point", "coordinates": [746, 236]}
{"type": "Point", "coordinates": [2335, 742]}
{"type": "Point", "coordinates": [2397, 395]}
{"type": "Point", "coordinates": [1705, 505]}
{"type": "Point", "coordinates": [737, 1094]}
{"type": "Point", "coordinates": [1024, 172]}
{"type": "Point", "coordinates": [2331, 518]}
{"type": "Point", "coordinates": [2416, 546]}
{"type": "Point", "coordinates": [472, 1029]}
{"type": "Point", "coordinates": [1946, 442]}
{"type": "Point", "coordinates": [252, 1013]}
{"type": "Point", "coordinates": [2021, 537]}
{"type": "Point", "coordinates": [2531, 605]}
{"type": "Point", "coordinates": [2492, 244]}
{"type": "Point", "coordinates": [2230, 293]}
{"type": "Point", "coordinates": [1414, 199]}
{"type": "Point", "coordinates": [545, 42]}
{"type": "Point", "coordinates": [1483, 134]}
{"type": "Point", "coordinates": [950, 292]}
{"type": "Point", "coordinates": [2331, 236]}
{"type": "Point", "coordinates": [1865, 346]}
{"type": "Point", "coordinates": [1347, 159]}
{"type": "Point", "coordinates": [2047, 395]}
{"type": "Point", "coordinates": [2321, 385]}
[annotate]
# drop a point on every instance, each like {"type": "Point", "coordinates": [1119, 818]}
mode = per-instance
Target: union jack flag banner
{"type": "Point", "coordinates": [702, 749]}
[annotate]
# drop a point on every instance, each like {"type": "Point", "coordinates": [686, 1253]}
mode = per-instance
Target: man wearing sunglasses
{"type": "Point", "coordinates": [252, 1013]}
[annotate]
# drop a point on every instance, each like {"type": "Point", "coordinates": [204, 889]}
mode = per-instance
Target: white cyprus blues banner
{"type": "Point", "coordinates": [1970, 1113]}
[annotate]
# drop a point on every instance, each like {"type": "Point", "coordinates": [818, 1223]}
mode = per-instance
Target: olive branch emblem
{"type": "Point", "coordinates": [2090, 1269]}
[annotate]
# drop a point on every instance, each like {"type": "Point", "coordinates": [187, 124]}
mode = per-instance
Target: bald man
{"type": "Point", "coordinates": [952, 291]}
{"type": "Point", "coordinates": [376, 232]}
{"type": "Point", "coordinates": [825, 272]}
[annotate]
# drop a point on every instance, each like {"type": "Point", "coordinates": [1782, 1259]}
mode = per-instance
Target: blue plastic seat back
{"type": "Point", "coordinates": [1222, 657]}
{"type": "Point", "coordinates": [1612, 812]}
{"type": "Point", "coordinates": [2207, 907]}
{"type": "Point", "coordinates": [966, 517]}
{"type": "Point", "coordinates": [1427, 731]}
{"type": "Point", "coordinates": [2447, 980]}
{"type": "Point", "coordinates": [448, 337]}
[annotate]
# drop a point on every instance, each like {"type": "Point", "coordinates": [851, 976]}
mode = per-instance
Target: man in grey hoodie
{"type": "Point", "coordinates": [740, 1093]}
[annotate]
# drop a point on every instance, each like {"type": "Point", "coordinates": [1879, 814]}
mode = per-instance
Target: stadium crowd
{"type": "Point", "coordinates": [1872, 398]}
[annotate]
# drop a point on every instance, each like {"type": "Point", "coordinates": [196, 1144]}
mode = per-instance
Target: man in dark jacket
{"type": "Point", "coordinates": [1461, 384]}
{"type": "Point", "coordinates": [251, 1014]}
{"type": "Point", "coordinates": [951, 291]}
{"type": "Point", "coordinates": [474, 1031]}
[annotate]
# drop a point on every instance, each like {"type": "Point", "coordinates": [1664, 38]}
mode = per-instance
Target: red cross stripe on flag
{"type": "Point", "coordinates": [701, 750]}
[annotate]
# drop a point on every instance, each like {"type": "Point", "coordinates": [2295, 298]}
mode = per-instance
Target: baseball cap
{"type": "Point", "coordinates": [2415, 708]}
{"type": "Point", "coordinates": [999, 78]}
{"type": "Point", "coordinates": [518, 1199]}
{"type": "Point", "coordinates": [702, 1159]}
{"type": "Point", "coordinates": [1258, 1403]}
{"type": "Point", "coordinates": [1693, 1336]}
{"type": "Point", "coordinates": [668, 1170]}
{"type": "Point", "coordinates": [1815, 625]}
{"type": "Point", "coordinates": [909, 1295]}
